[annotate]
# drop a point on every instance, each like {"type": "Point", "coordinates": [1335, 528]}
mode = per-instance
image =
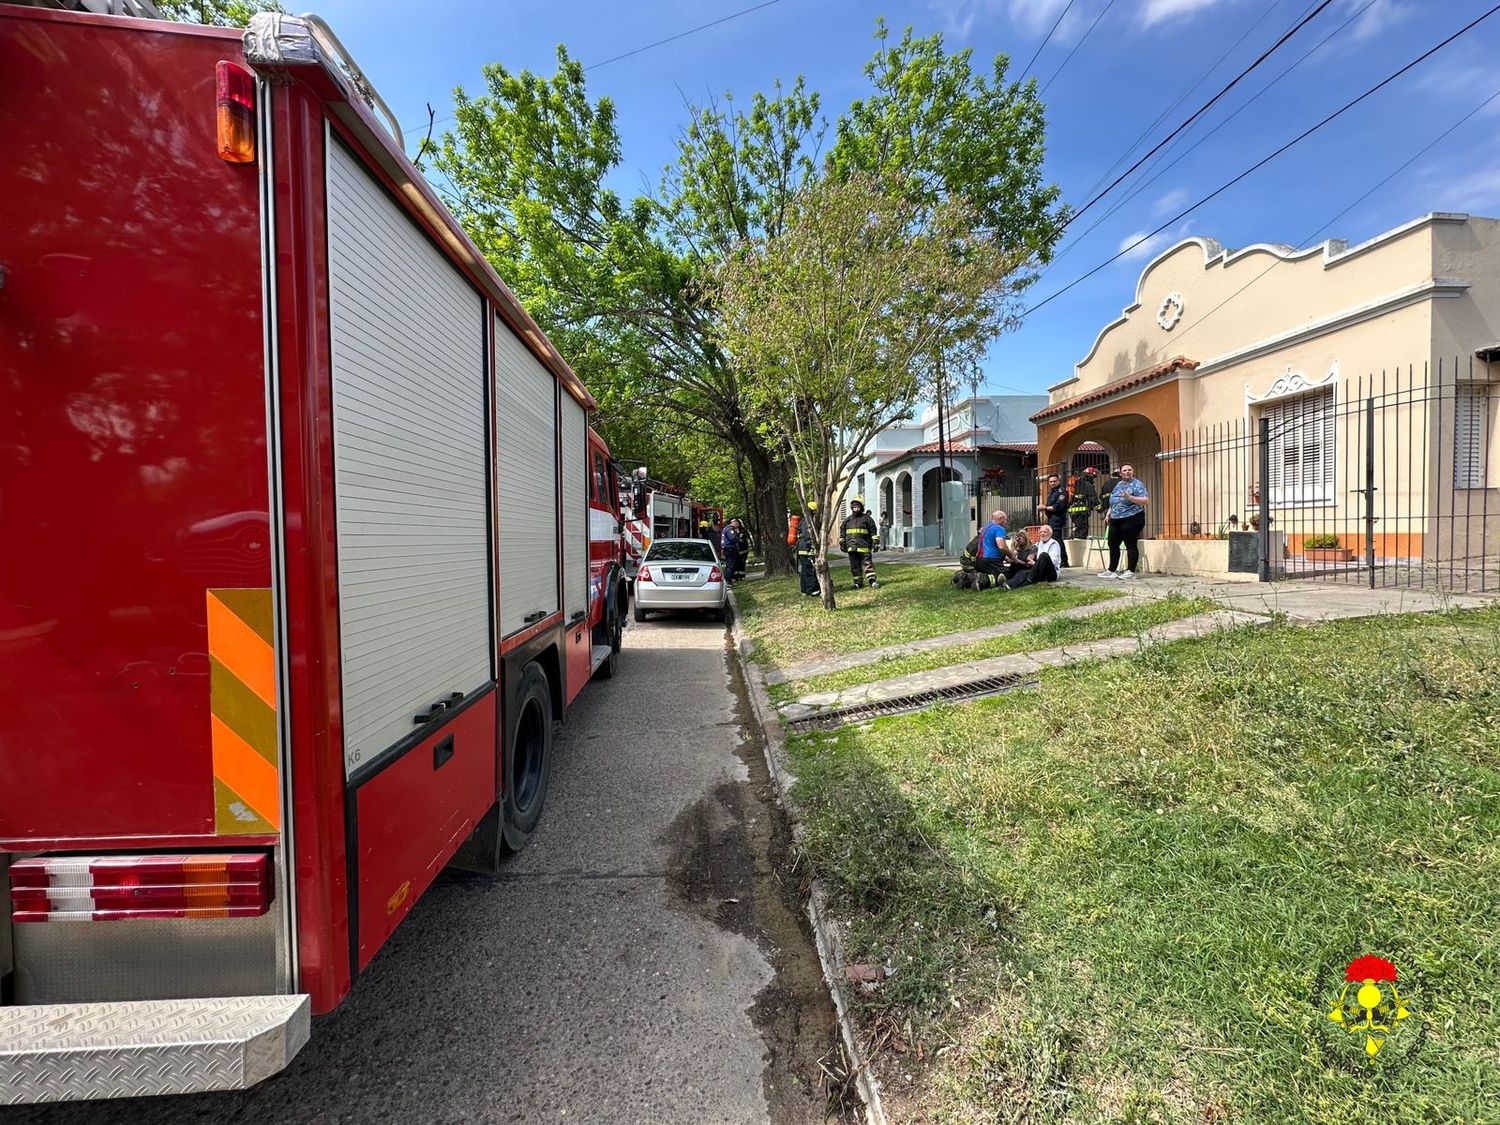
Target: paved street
{"type": "Point", "coordinates": [640, 962]}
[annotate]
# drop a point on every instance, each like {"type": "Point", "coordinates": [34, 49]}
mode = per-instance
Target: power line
{"type": "Point", "coordinates": [658, 43]}
{"type": "Point", "coordinates": [684, 34]}
{"type": "Point", "coordinates": [1103, 12]}
{"type": "Point", "coordinates": [1266, 160]}
{"type": "Point", "coordinates": [1045, 40]}
{"type": "Point", "coordinates": [1423, 151]}
{"type": "Point", "coordinates": [1201, 110]}
{"type": "Point", "coordinates": [1151, 175]}
{"type": "Point", "coordinates": [1182, 97]}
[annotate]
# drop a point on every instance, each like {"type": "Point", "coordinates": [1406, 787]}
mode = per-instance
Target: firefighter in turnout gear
{"type": "Point", "coordinates": [1085, 500]}
{"type": "Point", "coordinates": [807, 551]}
{"type": "Point", "coordinates": [860, 537]}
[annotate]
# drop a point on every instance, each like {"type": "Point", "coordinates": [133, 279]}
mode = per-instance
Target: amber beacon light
{"type": "Point", "coordinates": [235, 105]}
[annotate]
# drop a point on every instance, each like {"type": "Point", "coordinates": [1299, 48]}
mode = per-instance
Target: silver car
{"type": "Point", "coordinates": [681, 574]}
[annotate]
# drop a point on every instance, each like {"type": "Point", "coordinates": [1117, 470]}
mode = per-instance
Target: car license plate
{"type": "Point", "coordinates": [681, 577]}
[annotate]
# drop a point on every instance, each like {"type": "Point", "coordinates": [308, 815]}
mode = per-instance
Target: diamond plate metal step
{"type": "Point", "coordinates": [120, 1049]}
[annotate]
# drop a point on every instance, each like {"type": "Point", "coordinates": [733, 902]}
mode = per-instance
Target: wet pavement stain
{"type": "Point", "coordinates": [731, 861]}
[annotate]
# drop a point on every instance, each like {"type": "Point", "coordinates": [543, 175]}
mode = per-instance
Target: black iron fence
{"type": "Point", "coordinates": [1384, 479]}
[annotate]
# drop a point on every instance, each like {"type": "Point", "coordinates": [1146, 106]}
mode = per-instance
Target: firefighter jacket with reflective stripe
{"type": "Point", "coordinates": [805, 547]}
{"type": "Point", "coordinates": [859, 533]}
{"type": "Point", "coordinates": [970, 556]}
{"type": "Point", "coordinates": [1084, 496]}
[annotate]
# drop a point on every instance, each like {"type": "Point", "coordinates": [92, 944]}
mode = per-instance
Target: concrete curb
{"type": "Point", "coordinates": [830, 949]}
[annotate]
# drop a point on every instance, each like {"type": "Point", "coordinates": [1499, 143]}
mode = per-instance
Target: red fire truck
{"type": "Point", "coordinates": [650, 509]}
{"type": "Point", "coordinates": [307, 543]}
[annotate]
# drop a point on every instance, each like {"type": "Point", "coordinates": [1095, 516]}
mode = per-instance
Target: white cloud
{"type": "Point", "coordinates": [957, 16]}
{"type": "Point", "coordinates": [1032, 18]}
{"type": "Point", "coordinates": [1477, 191]}
{"type": "Point", "coordinates": [1036, 17]}
{"type": "Point", "coordinates": [1154, 12]}
{"type": "Point", "coordinates": [1459, 85]}
{"type": "Point", "coordinates": [1378, 17]}
{"type": "Point", "coordinates": [1138, 247]}
{"type": "Point", "coordinates": [1170, 203]}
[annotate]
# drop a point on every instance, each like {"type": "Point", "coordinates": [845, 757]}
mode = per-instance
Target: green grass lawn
{"type": "Point", "coordinates": [913, 602]}
{"type": "Point", "coordinates": [1127, 621]}
{"type": "Point", "coordinates": [1111, 899]}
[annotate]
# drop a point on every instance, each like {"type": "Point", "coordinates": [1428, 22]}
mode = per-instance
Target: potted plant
{"type": "Point", "coordinates": [1325, 548]}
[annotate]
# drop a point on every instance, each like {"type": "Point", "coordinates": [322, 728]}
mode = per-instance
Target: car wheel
{"type": "Point", "coordinates": [528, 757]}
{"type": "Point", "coordinates": [640, 614]}
{"type": "Point", "coordinates": [721, 614]}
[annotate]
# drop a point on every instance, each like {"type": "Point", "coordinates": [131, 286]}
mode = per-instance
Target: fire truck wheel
{"type": "Point", "coordinates": [528, 757]}
{"type": "Point", "coordinates": [611, 665]}
{"type": "Point", "coordinates": [617, 638]}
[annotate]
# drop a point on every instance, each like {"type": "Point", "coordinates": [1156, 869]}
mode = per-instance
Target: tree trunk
{"type": "Point", "coordinates": [825, 579]}
{"type": "Point", "coordinates": [770, 477]}
{"type": "Point", "coordinates": [770, 502]}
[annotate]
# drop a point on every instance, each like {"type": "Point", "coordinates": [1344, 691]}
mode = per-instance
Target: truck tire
{"type": "Point", "coordinates": [528, 757]}
{"type": "Point", "coordinates": [612, 631]}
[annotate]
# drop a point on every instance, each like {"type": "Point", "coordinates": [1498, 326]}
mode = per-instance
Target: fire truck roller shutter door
{"type": "Point", "coordinates": [526, 460]}
{"type": "Point", "coordinates": [408, 357]}
{"type": "Point", "coordinates": [575, 486]}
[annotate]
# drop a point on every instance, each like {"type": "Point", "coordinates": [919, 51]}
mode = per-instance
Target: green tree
{"type": "Point", "coordinates": [619, 287]}
{"type": "Point", "coordinates": [935, 128]}
{"type": "Point", "coordinates": [627, 290]}
{"type": "Point", "coordinates": [731, 187]}
{"type": "Point", "coordinates": [844, 314]}
{"type": "Point", "coordinates": [217, 13]}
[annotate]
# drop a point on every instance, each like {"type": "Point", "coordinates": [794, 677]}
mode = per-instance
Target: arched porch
{"type": "Point", "coordinates": [1131, 431]}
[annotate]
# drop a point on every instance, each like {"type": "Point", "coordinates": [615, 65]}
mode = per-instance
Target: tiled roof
{"type": "Point", "coordinates": [1129, 383]}
{"type": "Point", "coordinates": [1031, 447]}
{"type": "Point", "coordinates": [952, 447]}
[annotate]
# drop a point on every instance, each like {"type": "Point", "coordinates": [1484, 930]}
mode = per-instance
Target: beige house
{"type": "Point", "coordinates": [1374, 367]}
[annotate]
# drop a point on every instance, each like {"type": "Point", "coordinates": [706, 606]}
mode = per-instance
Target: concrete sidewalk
{"type": "Point", "coordinates": [1016, 664]}
{"type": "Point", "coordinates": [809, 668]}
{"type": "Point", "coordinates": [1301, 600]}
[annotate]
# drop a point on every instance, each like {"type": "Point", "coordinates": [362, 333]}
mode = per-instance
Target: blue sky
{"type": "Point", "coordinates": [1140, 58]}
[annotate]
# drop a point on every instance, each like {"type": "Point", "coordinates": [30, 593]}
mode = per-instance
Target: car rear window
{"type": "Point", "coordinates": [681, 552]}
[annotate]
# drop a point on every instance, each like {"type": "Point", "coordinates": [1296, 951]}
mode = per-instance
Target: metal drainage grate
{"type": "Point", "coordinates": [904, 704]}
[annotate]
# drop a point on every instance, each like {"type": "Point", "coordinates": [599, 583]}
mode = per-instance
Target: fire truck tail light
{"type": "Point", "coordinates": [644, 575]}
{"type": "Point", "coordinates": [109, 888]}
{"type": "Point", "coordinates": [235, 107]}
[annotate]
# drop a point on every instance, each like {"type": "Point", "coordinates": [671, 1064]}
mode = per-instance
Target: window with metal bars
{"type": "Point", "coordinates": [1302, 449]}
{"type": "Point", "coordinates": [1470, 439]}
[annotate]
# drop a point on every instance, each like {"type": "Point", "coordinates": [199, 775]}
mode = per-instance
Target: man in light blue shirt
{"type": "Point", "coordinates": [1127, 519]}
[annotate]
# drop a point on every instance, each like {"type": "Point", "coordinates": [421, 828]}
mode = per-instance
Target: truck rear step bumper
{"type": "Point", "coordinates": [121, 1049]}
